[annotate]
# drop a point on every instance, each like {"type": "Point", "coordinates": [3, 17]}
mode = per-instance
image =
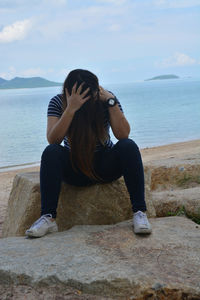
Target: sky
{"type": "Point", "coordinates": [118, 40]}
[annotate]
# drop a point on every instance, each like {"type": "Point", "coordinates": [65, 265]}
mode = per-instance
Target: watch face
{"type": "Point", "coordinates": [111, 102]}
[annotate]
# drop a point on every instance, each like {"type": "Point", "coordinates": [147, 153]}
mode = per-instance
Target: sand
{"type": "Point", "coordinates": [177, 150]}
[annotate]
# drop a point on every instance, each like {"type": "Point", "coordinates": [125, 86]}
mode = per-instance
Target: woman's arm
{"type": "Point", "coordinates": [57, 127]}
{"type": "Point", "coordinates": [118, 122]}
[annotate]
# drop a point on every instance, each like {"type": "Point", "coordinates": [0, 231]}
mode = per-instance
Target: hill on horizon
{"type": "Point", "coordinates": [168, 76]}
{"type": "Point", "coordinates": [31, 82]}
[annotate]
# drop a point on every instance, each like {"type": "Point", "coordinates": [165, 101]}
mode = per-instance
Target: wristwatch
{"type": "Point", "coordinates": [111, 102]}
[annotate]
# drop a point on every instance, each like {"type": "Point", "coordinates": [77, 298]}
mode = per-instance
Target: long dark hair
{"type": "Point", "coordinates": [87, 127]}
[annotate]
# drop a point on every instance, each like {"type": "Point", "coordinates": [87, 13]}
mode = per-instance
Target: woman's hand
{"type": "Point", "coordinates": [76, 99]}
{"type": "Point", "coordinates": [104, 95]}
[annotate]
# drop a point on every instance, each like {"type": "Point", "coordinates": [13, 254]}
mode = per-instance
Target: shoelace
{"type": "Point", "coordinates": [142, 217]}
{"type": "Point", "coordinates": [42, 219]}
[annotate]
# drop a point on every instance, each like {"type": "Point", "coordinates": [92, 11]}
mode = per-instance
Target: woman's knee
{"type": "Point", "coordinates": [51, 151]}
{"type": "Point", "coordinates": [126, 144]}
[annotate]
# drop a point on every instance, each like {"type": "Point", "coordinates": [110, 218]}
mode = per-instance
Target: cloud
{"type": "Point", "coordinates": [176, 3]}
{"type": "Point", "coordinates": [56, 2]}
{"type": "Point", "coordinates": [24, 3]}
{"type": "Point", "coordinates": [64, 72]}
{"type": "Point", "coordinates": [114, 27]}
{"type": "Point", "coordinates": [31, 72]}
{"type": "Point", "coordinates": [90, 19]}
{"type": "Point", "coordinates": [15, 32]}
{"type": "Point", "coordinates": [115, 2]}
{"type": "Point", "coordinates": [122, 69]}
{"type": "Point", "coordinates": [177, 60]}
{"type": "Point", "coordinates": [9, 74]}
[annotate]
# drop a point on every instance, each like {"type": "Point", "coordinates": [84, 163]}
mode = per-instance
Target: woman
{"type": "Point", "coordinates": [82, 116]}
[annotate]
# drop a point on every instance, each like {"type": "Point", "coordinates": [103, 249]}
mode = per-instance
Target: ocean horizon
{"type": "Point", "coordinates": [160, 112]}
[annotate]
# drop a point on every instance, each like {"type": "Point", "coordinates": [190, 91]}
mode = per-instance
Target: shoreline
{"type": "Point", "coordinates": [143, 150]}
{"type": "Point", "coordinates": [18, 167]}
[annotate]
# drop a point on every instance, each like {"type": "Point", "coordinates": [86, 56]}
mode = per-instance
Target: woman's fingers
{"type": "Point", "coordinates": [85, 92]}
{"type": "Point", "coordinates": [74, 88]}
{"type": "Point", "coordinates": [101, 89]}
{"type": "Point", "coordinates": [86, 98]}
{"type": "Point", "coordinates": [80, 88]}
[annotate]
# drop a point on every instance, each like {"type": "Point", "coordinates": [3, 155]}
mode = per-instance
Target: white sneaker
{"type": "Point", "coordinates": [42, 226]}
{"type": "Point", "coordinates": [141, 223]}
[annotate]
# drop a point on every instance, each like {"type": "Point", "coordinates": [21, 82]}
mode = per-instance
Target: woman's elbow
{"type": "Point", "coordinates": [123, 134]}
{"type": "Point", "coordinates": [120, 137]}
{"type": "Point", "coordinates": [52, 140]}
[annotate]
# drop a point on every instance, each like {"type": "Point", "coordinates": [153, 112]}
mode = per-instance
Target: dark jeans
{"type": "Point", "coordinates": [109, 163]}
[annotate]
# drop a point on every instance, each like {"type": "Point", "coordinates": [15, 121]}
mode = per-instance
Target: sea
{"type": "Point", "coordinates": [160, 112]}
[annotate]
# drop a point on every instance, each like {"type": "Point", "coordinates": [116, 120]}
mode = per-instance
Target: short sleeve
{"type": "Point", "coordinates": [55, 107]}
{"type": "Point", "coordinates": [119, 104]}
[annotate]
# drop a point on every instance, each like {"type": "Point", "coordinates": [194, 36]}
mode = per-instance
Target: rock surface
{"type": "Point", "coordinates": [53, 292]}
{"type": "Point", "coordinates": [172, 173]}
{"type": "Point", "coordinates": [110, 260]}
{"type": "Point", "coordinates": [172, 201]}
{"type": "Point", "coordinates": [97, 204]}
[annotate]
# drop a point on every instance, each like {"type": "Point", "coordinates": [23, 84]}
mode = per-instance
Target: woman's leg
{"type": "Point", "coordinates": [55, 168]}
{"type": "Point", "coordinates": [124, 159]}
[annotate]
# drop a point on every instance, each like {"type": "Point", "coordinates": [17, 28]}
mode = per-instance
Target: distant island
{"type": "Point", "coordinates": [20, 83]}
{"type": "Point", "coordinates": [169, 76]}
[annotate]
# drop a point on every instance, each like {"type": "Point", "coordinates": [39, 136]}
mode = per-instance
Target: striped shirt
{"type": "Point", "coordinates": [55, 109]}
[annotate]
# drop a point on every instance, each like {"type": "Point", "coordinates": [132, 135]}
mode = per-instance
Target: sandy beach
{"type": "Point", "coordinates": [176, 150]}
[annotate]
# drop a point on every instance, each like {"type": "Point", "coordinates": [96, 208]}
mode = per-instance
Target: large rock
{"type": "Point", "coordinates": [175, 201]}
{"type": "Point", "coordinates": [172, 173]}
{"type": "Point", "coordinates": [175, 186]}
{"type": "Point", "coordinates": [109, 260]}
{"type": "Point", "coordinates": [97, 204]}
